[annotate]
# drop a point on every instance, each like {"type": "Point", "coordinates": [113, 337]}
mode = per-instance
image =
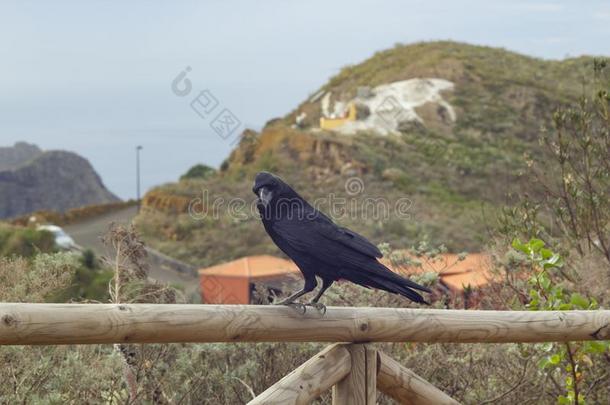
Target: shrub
{"type": "Point", "coordinates": [24, 242]}
{"type": "Point", "coordinates": [198, 172]}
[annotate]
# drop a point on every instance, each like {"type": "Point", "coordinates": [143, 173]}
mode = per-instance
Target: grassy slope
{"type": "Point", "coordinates": [456, 175]}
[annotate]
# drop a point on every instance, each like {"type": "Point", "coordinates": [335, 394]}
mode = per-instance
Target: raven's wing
{"type": "Point", "coordinates": [354, 241]}
{"type": "Point", "coordinates": [321, 237]}
{"type": "Point", "coordinates": [347, 237]}
{"type": "Point", "coordinates": [322, 226]}
{"type": "Point", "coordinates": [343, 249]}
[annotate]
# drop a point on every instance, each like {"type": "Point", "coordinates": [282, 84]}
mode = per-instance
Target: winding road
{"type": "Point", "coordinates": [88, 234]}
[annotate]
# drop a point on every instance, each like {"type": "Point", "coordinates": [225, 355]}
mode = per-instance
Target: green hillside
{"type": "Point", "coordinates": [448, 177]}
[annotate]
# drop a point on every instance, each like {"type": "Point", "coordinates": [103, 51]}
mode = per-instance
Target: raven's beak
{"type": "Point", "coordinates": [265, 195]}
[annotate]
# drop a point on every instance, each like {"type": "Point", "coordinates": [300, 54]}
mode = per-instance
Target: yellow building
{"type": "Point", "coordinates": [333, 123]}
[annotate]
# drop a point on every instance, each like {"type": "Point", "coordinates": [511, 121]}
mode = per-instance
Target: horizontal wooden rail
{"type": "Point", "coordinates": [54, 324]}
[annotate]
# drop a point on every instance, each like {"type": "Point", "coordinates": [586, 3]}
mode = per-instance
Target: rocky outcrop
{"type": "Point", "coordinates": [55, 180]}
{"type": "Point", "coordinates": [14, 156]}
{"type": "Point", "coordinates": [158, 200]}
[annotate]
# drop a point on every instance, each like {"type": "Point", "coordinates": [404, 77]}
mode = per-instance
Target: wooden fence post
{"type": "Point", "coordinates": [309, 381]}
{"type": "Point", "coordinates": [406, 387]}
{"type": "Point", "coordinates": [359, 387]}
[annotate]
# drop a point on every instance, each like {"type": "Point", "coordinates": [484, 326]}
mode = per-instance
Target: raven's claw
{"type": "Point", "coordinates": [296, 305]}
{"type": "Point", "coordinates": [319, 306]}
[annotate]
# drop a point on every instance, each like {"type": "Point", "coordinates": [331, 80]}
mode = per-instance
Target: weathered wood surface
{"type": "Point", "coordinates": [50, 324]}
{"type": "Point", "coordinates": [406, 387]}
{"type": "Point", "coordinates": [309, 381]}
{"type": "Point", "coordinates": [359, 387]}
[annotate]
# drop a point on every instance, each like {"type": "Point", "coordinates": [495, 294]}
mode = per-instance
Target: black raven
{"type": "Point", "coordinates": [321, 248]}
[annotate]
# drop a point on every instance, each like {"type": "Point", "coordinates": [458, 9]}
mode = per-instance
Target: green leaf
{"type": "Point", "coordinates": [553, 261]}
{"type": "Point", "coordinates": [555, 359]}
{"type": "Point", "coordinates": [517, 245]}
{"type": "Point", "coordinates": [596, 347]}
{"type": "Point", "coordinates": [579, 301]}
{"type": "Point", "coordinates": [533, 305]}
{"type": "Point", "coordinates": [535, 245]}
{"type": "Point", "coordinates": [546, 253]}
{"type": "Point", "coordinates": [543, 363]}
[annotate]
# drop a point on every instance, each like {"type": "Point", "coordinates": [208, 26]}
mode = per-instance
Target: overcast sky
{"type": "Point", "coordinates": [95, 77]}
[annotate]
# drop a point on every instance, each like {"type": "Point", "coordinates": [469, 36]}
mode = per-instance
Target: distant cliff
{"type": "Point", "coordinates": [14, 156]}
{"type": "Point", "coordinates": [32, 180]}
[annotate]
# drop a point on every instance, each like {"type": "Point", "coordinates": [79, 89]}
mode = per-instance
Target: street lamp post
{"type": "Point", "coordinates": [138, 149]}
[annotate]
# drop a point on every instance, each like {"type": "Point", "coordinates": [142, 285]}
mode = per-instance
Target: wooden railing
{"type": "Point", "coordinates": [354, 370]}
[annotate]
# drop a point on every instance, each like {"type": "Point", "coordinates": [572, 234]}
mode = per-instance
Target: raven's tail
{"type": "Point", "coordinates": [379, 276]}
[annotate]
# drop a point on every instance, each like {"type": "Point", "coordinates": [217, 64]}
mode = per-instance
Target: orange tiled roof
{"type": "Point", "coordinates": [473, 271]}
{"type": "Point", "coordinates": [253, 267]}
